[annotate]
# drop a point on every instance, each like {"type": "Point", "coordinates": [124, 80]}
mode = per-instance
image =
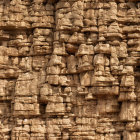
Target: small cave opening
{"type": "Point", "coordinates": [137, 68]}
{"type": "Point", "coordinates": [42, 108]}
{"type": "Point", "coordinates": [121, 137]}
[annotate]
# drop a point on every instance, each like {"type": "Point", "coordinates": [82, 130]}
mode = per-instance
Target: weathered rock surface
{"type": "Point", "coordinates": [69, 70]}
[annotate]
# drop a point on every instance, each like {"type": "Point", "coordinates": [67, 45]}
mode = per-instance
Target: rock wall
{"type": "Point", "coordinates": [70, 70]}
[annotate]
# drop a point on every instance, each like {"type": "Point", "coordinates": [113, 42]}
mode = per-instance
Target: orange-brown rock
{"type": "Point", "coordinates": [69, 70]}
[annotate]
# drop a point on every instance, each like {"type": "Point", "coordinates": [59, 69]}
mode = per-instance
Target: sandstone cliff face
{"type": "Point", "coordinates": [69, 70]}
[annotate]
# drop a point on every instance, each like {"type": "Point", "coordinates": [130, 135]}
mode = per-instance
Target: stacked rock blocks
{"type": "Point", "coordinates": [70, 70]}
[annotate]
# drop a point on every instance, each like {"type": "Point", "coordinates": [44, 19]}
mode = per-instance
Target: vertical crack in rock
{"type": "Point", "coordinates": [69, 69]}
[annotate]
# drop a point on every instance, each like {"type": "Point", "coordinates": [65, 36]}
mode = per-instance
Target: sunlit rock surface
{"type": "Point", "coordinates": [69, 70]}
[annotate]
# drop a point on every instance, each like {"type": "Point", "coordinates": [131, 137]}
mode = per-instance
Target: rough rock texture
{"type": "Point", "coordinates": [70, 70]}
